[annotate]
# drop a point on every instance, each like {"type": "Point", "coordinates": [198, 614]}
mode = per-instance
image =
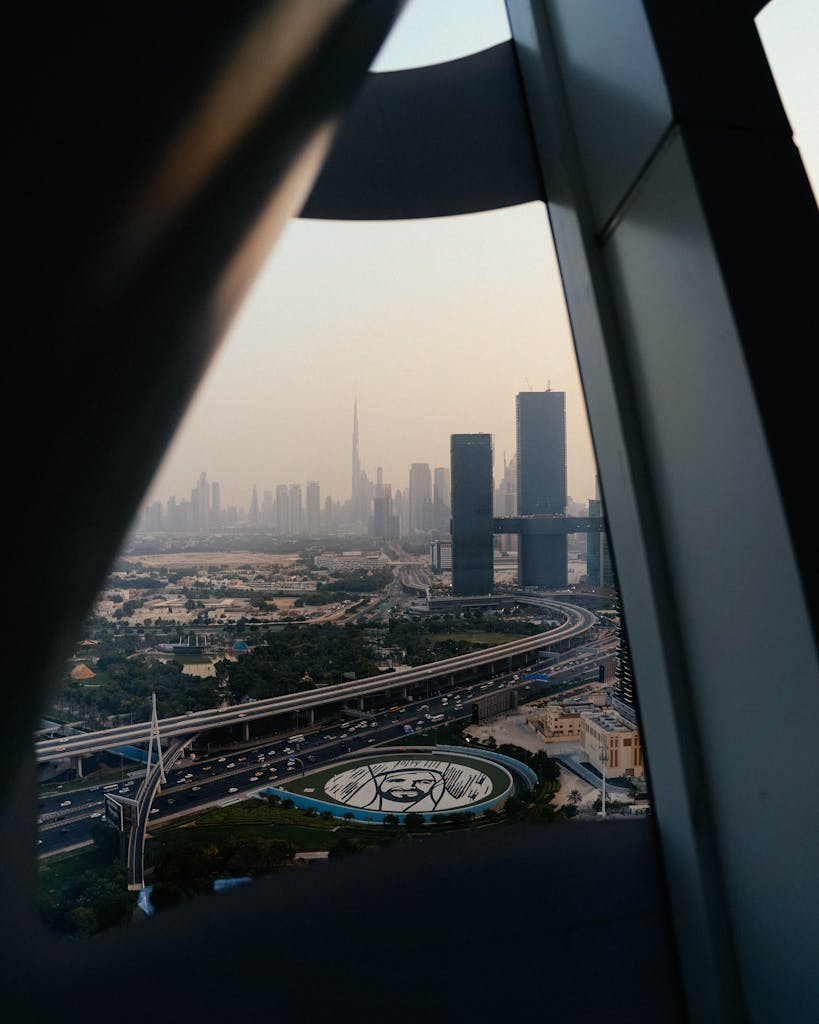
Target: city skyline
{"type": "Point", "coordinates": [424, 322]}
{"type": "Point", "coordinates": [421, 506]}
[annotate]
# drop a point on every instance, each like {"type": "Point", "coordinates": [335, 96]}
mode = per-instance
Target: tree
{"type": "Point", "coordinates": [413, 820]}
{"type": "Point", "coordinates": [106, 840]}
{"type": "Point", "coordinates": [575, 797]}
{"type": "Point", "coordinates": [390, 819]}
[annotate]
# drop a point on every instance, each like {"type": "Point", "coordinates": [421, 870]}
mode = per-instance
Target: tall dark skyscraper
{"type": "Point", "coordinates": [471, 476]}
{"type": "Point", "coordinates": [541, 455]}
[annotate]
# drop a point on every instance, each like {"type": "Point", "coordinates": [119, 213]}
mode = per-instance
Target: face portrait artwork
{"type": "Point", "coordinates": [409, 785]}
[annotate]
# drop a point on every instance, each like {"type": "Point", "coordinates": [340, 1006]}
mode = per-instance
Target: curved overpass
{"type": "Point", "coordinates": [578, 621]}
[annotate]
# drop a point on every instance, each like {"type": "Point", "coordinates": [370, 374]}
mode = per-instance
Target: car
{"type": "Point", "coordinates": [170, 801]}
{"type": "Point", "coordinates": [39, 842]}
{"type": "Point", "coordinates": [291, 767]}
{"type": "Point", "coordinates": [207, 767]}
{"type": "Point", "coordinates": [241, 758]}
{"type": "Point", "coordinates": [154, 810]}
{"type": "Point", "coordinates": [195, 789]}
{"type": "Point", "coordinates": [220, 759]}
{"type": "Point", "coordinates": [241, 714]}
{"type": "Point", "coordinates": [98, 814]}
{"type": "Point", "coordinates": [371, 740]}
{"type": "Point", "coordinates": [233, 789]}
{"type": "Point", "coordinates": [63, 830]}
{"type": "Point", "coordinates": [65, 803]}
{"type": "Point", "coordinates": [232, 764]}
{"type": "Point", "coordinates": [271, 753]}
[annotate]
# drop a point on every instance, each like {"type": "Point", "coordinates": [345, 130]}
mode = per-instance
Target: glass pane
{"type": "Point", "coordinates": [382, 381]}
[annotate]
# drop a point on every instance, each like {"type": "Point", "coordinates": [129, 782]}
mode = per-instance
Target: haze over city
{"type": "Point", "coordinates": [433, 325]}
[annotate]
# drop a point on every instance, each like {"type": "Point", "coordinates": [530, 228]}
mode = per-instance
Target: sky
{"type": "Point", "coordinates": [433, 326]}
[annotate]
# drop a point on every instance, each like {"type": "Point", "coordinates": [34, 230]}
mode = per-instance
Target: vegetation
{"type": "Point", "coordinates": [86, 892]}
{"type": "Point", "coordinates": [298, 658]}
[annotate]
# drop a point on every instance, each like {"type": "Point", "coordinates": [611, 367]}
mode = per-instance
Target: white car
{"type": "Point", "coordinates": [233, 789]}
{"type": "Point", "coordinates": [65, 803]}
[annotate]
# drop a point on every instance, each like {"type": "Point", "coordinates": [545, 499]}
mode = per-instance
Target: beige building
{"type": "Point", "coordinates": [612, 744]}
{"type": "Point", "coordinates": [560, 721]}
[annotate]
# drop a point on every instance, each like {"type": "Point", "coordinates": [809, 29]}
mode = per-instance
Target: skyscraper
{"type": "Point", "coordinates": [313, 508]}
{"type": "Point", "coordinates": [441, 498]}
{"type": "Point", "coordinates": [215, 503]}
{"type": "Point", "coordinates": [541, 455]}
{"type": "Point", "coordinates": [204, 499]}
{"type": "Point", "coordinates": [472, 554]}
{"type": "Point", "coordinates": [355, 481]}
{"type": "Point", "coordinates": [420, 497]}
{"type": "Point", "coordinates": [282, 510]}
{"type": "Point", "coordinates": [296, 511]}
{"type": "Point", "coordinates": [253, 515]}
{"type": "Point", "coordinates": [268, 508]}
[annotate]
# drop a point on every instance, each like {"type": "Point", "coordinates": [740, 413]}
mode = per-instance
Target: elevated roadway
{"type": "Point", "coordinates": [577, 621]}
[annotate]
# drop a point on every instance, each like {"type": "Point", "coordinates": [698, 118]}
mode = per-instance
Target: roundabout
{"type": "Point", "coordinates": [426, 781]}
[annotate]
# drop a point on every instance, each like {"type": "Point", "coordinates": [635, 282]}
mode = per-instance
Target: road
{"type": "Point", "coordinates": [236, 774]}
{"type": "Point", "coordinates": [577, 621]}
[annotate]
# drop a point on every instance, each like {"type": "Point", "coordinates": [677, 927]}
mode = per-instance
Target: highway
{"type": "Point", "coordinates": [232, 775]}
{"type": "Point", "coordinates": [577, 621]}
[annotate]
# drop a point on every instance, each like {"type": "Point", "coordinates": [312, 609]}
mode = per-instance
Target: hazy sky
{"type": "Point", "coordinates": [434, 325]}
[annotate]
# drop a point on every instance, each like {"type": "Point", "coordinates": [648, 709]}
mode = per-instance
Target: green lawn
{"type": "Point", "coordinates": [61, 869]}
{"type": "Point", "coordinates": [258, 818]}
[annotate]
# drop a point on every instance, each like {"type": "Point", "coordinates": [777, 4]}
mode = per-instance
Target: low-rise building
{"type": "Point", "coordinates": [612, 744]}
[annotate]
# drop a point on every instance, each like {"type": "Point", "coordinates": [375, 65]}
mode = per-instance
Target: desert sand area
{"type": "Point", "coordinates": [210, 559]}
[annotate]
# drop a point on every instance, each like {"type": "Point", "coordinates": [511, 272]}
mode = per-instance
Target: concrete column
{"type": "Point", "coordinates": [311, 716]}
{"type": "Point", "coordinates": [79, 766]}
{"type": "Point", "coordinates": [246, 731]}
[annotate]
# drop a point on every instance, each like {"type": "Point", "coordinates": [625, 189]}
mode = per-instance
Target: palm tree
{"type": "Point", "coordinates": [575, 797]}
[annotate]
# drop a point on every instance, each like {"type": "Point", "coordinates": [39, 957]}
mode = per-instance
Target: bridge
{"type": "Point", "coordinates": [548, 526]}
{"type": "Point", "coordinates": [577, 621]}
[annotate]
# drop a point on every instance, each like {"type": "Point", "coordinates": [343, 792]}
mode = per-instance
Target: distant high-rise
{"type": "Point", "coordinates": [599, 566]}
{"type": "Point", "coordinates": [441, 498]}
{"type": "Point", "coordinates": [441, 486]}
{"type": "Point", "coordinates": [204, 499]}
{"type": "Point", "coordinates": [253, 515]}
{"type": "Point", "coordinates": [356, 511]}
{"type": "Point", "coordinates": [282, 510]}
{"type": "Point", "coordinates": [215, 503]}
{"type": "Point", "coordinates": [268, 508]}
{"type": "Point", "coordinates": [420, 497]}
{"type": "Point", "coordinates": [313, 508]}
{"type": "Point", "coordinates": [296, 511]}
{"type": "Point", "coordinates": [472, 547]}
{"type": "Point", "coordinates": [541, 455]}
